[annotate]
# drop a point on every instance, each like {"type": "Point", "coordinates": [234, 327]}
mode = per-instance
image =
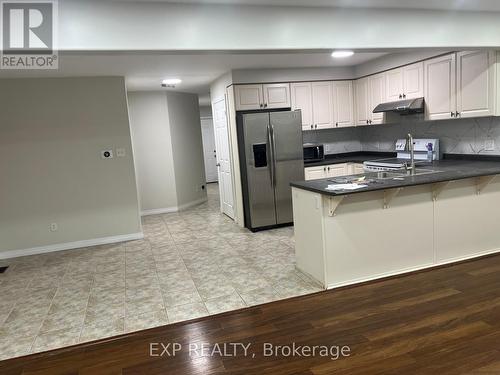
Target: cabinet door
{"type": "Point", "coordinates": [276, 95]}
{"type": "Point", "coordinates": [358, 168]}
{"type": "Point", "coordinates": [394, 85]}
{"type": "Point", "coordinates": [302, 99]}
{"type": "Point", "coordinates": [361, 101]}
{"type": "Point", "coordinates": [439, 87]}
{"type": "Point", "coordinates": [413, 77]}
{"type": "Point", "coordinates": [376, 95]}
{"type": "Point", "coordinates": [315, 173]}
{"type": "Point", "coordinates": [343, 103]}
{"type": "Point", "coordinates": [475, 83]}
{"type": "Point", "coordinates": [248, 97]}
{"type": "Point", "coordinates": [322, 105]}
{"type": "Point", "coordinates": [337, 170]}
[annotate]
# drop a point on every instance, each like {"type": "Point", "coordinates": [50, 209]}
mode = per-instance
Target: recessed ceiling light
{"type": "Point", "coordinates": [341, 54]}
{"type": "Point", "coordinates": [170, 82]}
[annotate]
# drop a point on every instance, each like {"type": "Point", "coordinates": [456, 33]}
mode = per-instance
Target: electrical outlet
{"type": "Point", "coordinates": [54, 227]}
{"type": "Point", "coordinates": [489, 145]}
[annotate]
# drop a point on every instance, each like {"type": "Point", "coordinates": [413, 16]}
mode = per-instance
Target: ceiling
{"type": "Point", "coordinates": [144, 71]}
{"type": "Point", "coordinates": [460, 5]}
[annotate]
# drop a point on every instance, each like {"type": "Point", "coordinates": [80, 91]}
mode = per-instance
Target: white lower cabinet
{"type": "Point", "coordinates": [332, 170]}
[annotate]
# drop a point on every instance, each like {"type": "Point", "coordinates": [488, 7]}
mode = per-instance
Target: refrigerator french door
{"type": "Point", "coordinates": [272, 158]}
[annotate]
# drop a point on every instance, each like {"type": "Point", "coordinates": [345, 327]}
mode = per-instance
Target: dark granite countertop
{"type": "Point", "coordinates": [350, 157]}
{"type": "Point", "coordinates": [453, 168]}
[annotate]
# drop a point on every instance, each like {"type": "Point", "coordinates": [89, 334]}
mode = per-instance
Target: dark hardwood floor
{"type": "Point", "coordinates": [442, 321]}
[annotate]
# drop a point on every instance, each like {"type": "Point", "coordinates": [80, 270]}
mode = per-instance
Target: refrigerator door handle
{"type": "Point", "coordinates": [273, 145]}
{"type": "Point", "coordinates": [271, 154]}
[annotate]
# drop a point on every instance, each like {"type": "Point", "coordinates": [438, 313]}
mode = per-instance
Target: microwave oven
{"type": "Point", "coordinates": [313, 152]}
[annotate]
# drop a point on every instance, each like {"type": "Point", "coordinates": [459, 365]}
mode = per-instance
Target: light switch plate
{"type": "Point", "coordinates": [120, 152]}
{"type": "Point", "coordinates": [489, 145]}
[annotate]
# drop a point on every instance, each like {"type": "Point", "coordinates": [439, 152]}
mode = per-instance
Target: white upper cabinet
{"type": "Point", "coordinates": [361, 101]}
{"type": "Point", "coordinates": [475, 84]}
{"type": "Point", "coordinates": [322, 99]}
{"type": "Point", "coordinates": [301, 95]}
{"type": "Point", "coordinates": [413, 81]}
{"type": "Point", "coordinates": [440, 87]}
{"type": "Point", "coordinates": [343, 103]}
{"type": "Point", "coordinates": [376, 95]}
{"type": "Point", "coordinates": [276, 95]}
{"type": "Point", "coordinates": [394, 85]}
{"type": "Point", "coordinates": [248, 97]}
{"type": "Point", "coordinates": [405, 83]}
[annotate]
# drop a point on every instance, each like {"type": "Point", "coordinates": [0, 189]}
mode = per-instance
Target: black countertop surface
{"type": "Point", "coordinates": [350, 157]}
{"type": "Point", "coordinates": [454, 167]}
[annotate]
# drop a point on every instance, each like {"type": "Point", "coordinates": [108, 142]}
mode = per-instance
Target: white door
{"type": "Point", "coordinates": [248, 97]}
{"type": "Point", "coordinates": [302, 99]}
{"type": "Point", "coordinates": [376, 95]}
{"type": "Point", "coordinates": [361, 107]}
{"type": "Point", "coordinates": [413, 84]}
{"type": "Point", "coordinates": [343, 103]}
{"type": "Point", "coordinates": [440, 87]}
{"type": "Point", "coordinates": [322, 105]}
{"type": "Point", "coordinates": [276, 95]}
{"type": "Point", "coordinates": [223, 159]}
{"type": "Point", "coordinates": [209, 150]}
{"type": "Point", "coordinates": [394, 85]}
{"type": "Point", "coordinates": [475, 83]}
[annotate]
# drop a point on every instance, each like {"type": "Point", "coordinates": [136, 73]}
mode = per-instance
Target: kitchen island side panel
{"type": "Point", "coordinates": [308, 229]}
{"type": "Point", "coordinates": [364, 241]}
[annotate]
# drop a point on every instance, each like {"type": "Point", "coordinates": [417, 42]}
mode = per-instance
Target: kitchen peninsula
{"type": "Point", "coordinates": [396, 223]}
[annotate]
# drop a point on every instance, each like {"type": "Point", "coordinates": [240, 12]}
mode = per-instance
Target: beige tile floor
{"type": "Point", "coordinates": [190, 264]}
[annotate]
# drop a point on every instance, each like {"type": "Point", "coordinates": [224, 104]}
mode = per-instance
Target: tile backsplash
{"type": "Point", "coordinates": [462, 136]}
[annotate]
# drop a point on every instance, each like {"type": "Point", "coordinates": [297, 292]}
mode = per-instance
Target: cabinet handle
{"type": "Point", "coordinates": [316, 126]}
{"type": "Point", "coordinates": [404, 96]}
{"type": "Point", "coordinates": [265, 105]}
{"type": "Point", "coordinates": [400, 96]}
{"type": "Point", "coordinates": [336, 124]}
{"type": "Point", "coordinates": [452, 114]}
{"type": "Point", "coordinates": [324, 169]}
{"type": "Point", "coordinates": [367, 122]}
{"type": "Point", "coordinates": [260, 105]}
{"type": "Point", "coordinates": [328, 169]}
{"type": "Point", "coordinates": [312, 126]}
{"type": "Point", "coordinates": [370, 121]}
{"type": "Point", "coordinates": [457, 114]}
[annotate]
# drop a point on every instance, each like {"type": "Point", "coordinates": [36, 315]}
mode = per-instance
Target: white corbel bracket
{"type": "Point", "coordinates": [333, 203]}
{"type": "Point", "coordinates": [437, 188]}
{"type": "Point", "coordinates": [482, 182]}
{"type": "Point", "coordinates": [389, 196]}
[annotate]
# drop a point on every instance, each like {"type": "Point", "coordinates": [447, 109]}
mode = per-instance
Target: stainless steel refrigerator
{"type": "Point", "coordinates": [271, 156]}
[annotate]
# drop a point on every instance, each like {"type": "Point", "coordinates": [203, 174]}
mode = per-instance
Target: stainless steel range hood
{"type": "Point", "coordinates": [403, 107]}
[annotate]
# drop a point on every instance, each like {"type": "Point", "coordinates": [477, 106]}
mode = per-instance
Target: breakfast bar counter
{"type": "Point", "coordinates": [396, 223]}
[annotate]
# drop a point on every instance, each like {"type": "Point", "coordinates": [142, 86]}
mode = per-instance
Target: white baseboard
{"type": "Point", "coordinates": [169, 210]}
{"type": "Point", "coordinates": [192, 204]}
{"type": "Point", "coordinates": [70, 245]}
{"type": "Point", "coordinates": [159, 211]}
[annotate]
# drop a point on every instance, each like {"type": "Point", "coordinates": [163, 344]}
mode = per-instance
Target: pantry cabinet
{"type": "Point", "coordinates": [267, 96]}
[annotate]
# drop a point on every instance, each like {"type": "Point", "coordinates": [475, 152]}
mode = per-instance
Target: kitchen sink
{"type": "Point", "coordinates": [382, 175]}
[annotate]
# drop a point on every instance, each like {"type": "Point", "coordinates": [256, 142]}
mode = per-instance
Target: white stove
{"type": "Point", "coordinates": [422, 146]}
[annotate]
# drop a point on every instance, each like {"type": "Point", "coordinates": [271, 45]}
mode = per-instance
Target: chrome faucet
{"type": "Point", "coordinates": [410, 146]}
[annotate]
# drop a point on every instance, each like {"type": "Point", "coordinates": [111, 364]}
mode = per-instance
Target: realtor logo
{"type": "Point", "coordinates": [28, 34]}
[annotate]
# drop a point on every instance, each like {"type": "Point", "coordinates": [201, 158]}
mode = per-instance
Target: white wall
{"type": "Point", "coordinates": [187, 148]}
{"type": "Point", "coordinates": [205, 111]}
{"type": "Point", "coordinates": [154, 161]}
{"type": "Point", "coordinates": [106, 25]}
{"type": "Point", "coordinates": [166, 134]}
{"type": "Point", "coordinates": [292, 74]}
{"type": "Point", "coordinates": [52, 132]}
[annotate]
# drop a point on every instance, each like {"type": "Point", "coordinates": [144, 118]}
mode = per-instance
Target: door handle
{"type": "Point", "coordinates": [274, 155]}
{"type": "Point", "coordinates": [271, 156]}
